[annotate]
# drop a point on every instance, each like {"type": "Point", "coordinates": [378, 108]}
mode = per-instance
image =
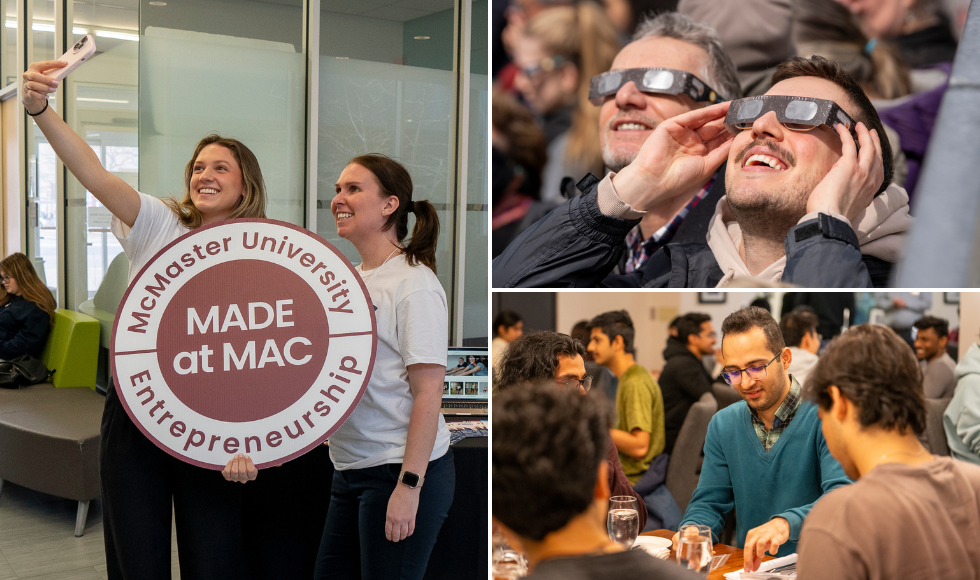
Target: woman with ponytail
{"type": "Point", "coordinates": [26, 309]}
{"type": "Point", "coordinates": [394, 473]}
{"type": "Point", "coordinates": [557, 54]}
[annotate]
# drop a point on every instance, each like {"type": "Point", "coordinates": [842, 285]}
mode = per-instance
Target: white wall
{"type": "Point", "coordinates": [969, 320]}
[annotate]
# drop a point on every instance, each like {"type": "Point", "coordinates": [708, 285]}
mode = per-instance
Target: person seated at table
{"type": "Point", "coordinates": [767, 457]}
{"type": "Point", "coordinates": [552, 356]}
{"type": "Point", "coordinates": [910, 514]}
{"type": "Point", "coordinates": [551, 490]}
{"type": "Point", "coordinates": [462, 366]}
{"type": "Point", "coordinates": [26, 309]}
{"type": "Point", "coordinates": [477, 368]}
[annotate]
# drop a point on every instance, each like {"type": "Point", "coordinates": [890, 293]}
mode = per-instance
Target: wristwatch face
{"type": "Point", "coordinates": [410, 479]}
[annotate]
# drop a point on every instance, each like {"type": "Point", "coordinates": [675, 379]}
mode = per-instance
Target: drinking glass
{"type": "Point", "coordinates": [694, 548]}
{"type": "Point", "coordinates": [623, 520]}
{"type": "Point", "coordinates": [509, 565]}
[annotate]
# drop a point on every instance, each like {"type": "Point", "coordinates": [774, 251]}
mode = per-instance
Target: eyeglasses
{"type": "Point", "coordinates": [6, 278]}
{"type": "Point", "coordinates": [755, 373]}
{"type": "Point", "coordinates": [585, 383]}
{"type": "Point", "coordinates": [651, 80]}
{"type": "Point", "coordinates": [795, 113]}
{"type": "Point", "coordinates": [549, 64]}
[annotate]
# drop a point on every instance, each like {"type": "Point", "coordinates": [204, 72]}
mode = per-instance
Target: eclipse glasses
{"type": "Point", "coordinates": [795, 113]}
{"type": "Point", "coordinates": [664, 81]}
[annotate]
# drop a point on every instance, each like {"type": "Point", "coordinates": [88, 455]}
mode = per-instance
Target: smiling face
{"type": "Point", "coordinates": [928, 344]}
{"type": "Point", "coordinates": [358, 208]}
{"type": "Point", "coordinates": [749, 349]}
{"type": "Point", "coordinates": [9, 284]}
{"type": "Point", "coordinates": [216, 185]}
{"type": "Point", "coordinates": [772, 170]}
{"type": "Point", "coordinates": [627, 118]}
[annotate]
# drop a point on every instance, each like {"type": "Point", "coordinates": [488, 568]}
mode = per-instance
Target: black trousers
{"type": "Point", "coordinates": [140, 482]}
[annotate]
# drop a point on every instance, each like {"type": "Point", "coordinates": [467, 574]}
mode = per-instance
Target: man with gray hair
{"type": "Point", "coordinates": [631, 111]}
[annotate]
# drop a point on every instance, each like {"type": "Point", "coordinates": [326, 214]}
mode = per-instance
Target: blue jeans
{"type": "Point", "coordinates": [354, 543]}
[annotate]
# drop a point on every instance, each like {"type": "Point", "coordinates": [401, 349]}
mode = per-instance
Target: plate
{"type": "Point", "coordinates": [652, 542]}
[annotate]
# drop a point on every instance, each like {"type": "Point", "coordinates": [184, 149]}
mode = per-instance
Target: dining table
{"type": "Point", "coordinates": [734, 563]}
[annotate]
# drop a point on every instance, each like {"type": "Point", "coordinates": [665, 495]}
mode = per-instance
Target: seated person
{"type": "Point", "coordinates": [462, 366]}
{"type": "Point", "coordinates": [767, 458]}
{"type": "Point", "coordinates": [799, 197]}
{"type": "Point", "coordinates": [477, 368]}
{"type": "Point", "coordinates": [910, 514]}
{"type": "Point", "coordinates": [547, 355]}
{"type": "Point", "coordinates": [26, 309]}
{"type": "Point", "coordinates": [799, 329]}
{"type": "Point", "coordinates": [961, 421]}
{"type": "Point", "coordinates": [550, 487]}
{"type": "Point", "coordinates": [684, 379]}
{"type": "Point", "coordinates": [938, 368]}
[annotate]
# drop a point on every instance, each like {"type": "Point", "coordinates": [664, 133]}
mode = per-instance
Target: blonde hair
{"type": "Point", "coordinates": [19, 267]}
{"type": "Point", "coordinates": [581, 34]}
{"type": "Point", "coordinates": [253, 202]}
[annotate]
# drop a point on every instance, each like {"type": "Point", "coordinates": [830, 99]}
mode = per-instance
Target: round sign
{"type": "Point", "coordinates": [249, 336]}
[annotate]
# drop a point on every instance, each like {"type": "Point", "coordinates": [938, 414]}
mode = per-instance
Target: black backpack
{"type": "Point", "coordinates": [22, 371]}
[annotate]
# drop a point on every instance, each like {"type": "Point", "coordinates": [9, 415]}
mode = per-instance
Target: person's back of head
{"type": "Point", "coordinates": [795, 326]}
{"type": "Point", "coordinates": [875, 369]}
{"type": "Point", "coordinates": [547, 450]}
{"type": "Point", "coordinates": [534, 357]}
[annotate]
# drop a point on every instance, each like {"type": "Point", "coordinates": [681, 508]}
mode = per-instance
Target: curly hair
{"type": "Point", "coordinates": [534, 357]}
{"type": "Point", "coordinates": [547, 446]}
{"type": "Point", "coordinates": [876, 370]}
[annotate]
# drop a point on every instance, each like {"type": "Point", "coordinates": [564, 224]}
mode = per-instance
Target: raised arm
{"type": "Point", "coordinates": [114, 193]}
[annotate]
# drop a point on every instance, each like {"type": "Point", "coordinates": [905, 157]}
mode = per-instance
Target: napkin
{"type": "Point", "coordinates": [765, 566]}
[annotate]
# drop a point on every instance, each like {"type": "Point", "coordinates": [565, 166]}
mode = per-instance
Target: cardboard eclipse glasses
{"type": "Point", "coordinates": [652, 80]}
{"type": "Point", "coordinates": [794, 113]}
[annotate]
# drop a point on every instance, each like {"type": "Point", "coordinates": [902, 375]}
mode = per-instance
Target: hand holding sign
{"type": "Point", "coordinates": [240, 468]}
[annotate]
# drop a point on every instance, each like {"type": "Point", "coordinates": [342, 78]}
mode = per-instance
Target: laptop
{"type": "Point", "coordinates": [466, 390]}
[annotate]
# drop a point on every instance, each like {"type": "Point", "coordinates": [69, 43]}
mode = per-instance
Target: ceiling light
{"type": "Point", "coordinates": [39, 27]}
{"type": "Point", "coordinates": [342, 57]}
{"type": "Point", "coordinates": [10, 23]}
{"type": "Point", "coordinates": [91, 100]}
{"type": "Point", "coordinates": [77, 30]}
{"type": "Point", "coordinates": [158, 3]}
{"type": "Point", "coordinates": [421, 38]}
{"type": "Point", "coordinates": [118, 35]}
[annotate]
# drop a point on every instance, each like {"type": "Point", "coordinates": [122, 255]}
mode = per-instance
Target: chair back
{"type": "Point", "coordinates": [685, 460]}
{"type": "Point", "coordinates": [935, 436]}
{"type": "Point", "coordinates": [72, 350]}
{"type": "Point", "coordinates": [725, 394]}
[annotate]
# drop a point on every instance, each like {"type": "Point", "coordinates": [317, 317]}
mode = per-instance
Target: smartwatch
{"type": "Point", "coordinates": [410, 479]}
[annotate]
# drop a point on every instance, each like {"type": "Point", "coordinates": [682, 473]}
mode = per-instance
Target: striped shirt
{"type": "Point", "coordinates": [640, 250]}
{"type": "Point", "coordinates": [784, 415]}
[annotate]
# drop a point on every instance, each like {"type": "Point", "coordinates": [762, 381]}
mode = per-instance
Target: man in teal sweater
{"type": "Point", "coordinates": [766, 457]}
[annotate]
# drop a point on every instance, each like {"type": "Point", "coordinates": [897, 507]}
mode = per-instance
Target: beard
{"type": "Point", "coordinates": [616, 160]}
{"type": "Point", "coordinates": [772, 393]}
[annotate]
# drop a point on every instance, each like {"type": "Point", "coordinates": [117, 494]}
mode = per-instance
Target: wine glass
{"type": "Point", "coordinates": [623, 520]}
{"type": "Point", "coordinates": [694, 548]}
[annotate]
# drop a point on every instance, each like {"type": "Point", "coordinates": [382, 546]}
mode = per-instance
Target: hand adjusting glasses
{"type": "Point", "coordinates": [755, 373]}
{"type": "Point", "coordinates": [795, 113]}
{"type": "Point", "coordinates": [664, 81]}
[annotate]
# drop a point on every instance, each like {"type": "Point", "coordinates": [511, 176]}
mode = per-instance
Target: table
{"type": "Point", "coordinates": [734, 563]}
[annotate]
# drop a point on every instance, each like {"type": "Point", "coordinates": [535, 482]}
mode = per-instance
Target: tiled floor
{"type": "Point", "coordinates": [37, 538]}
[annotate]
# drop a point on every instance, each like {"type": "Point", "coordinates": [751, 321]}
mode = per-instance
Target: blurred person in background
{"type": "Point", "coordinates": [961, 421]}
{"type": "Point", "coordinates": [513, 15]}
{"type": "Point", "coordinates": [603, 379]}
{"type": "Point", "coordinates": [799, 330]}
{"type": "Point", "coordinates": [756, 35]}
{"type": "Point", "coordinates": [835, 310]}
{"type": "Point", "coordinates": [519, 154]}
{"type": "Point", "coordinates": [548, 356]}
{"type": "Point", "coordinates": [938, 368]}
{"type": "Point", "coordinates": [26, 309]}
{"type": "Point", "coordinates": [909, 514]}
{"type": "Point", "coordinates": [902, 309]}
{"type": "Point", "coordinates": [684, 379]}
{"type": "Point", "coordinates": [557, 52]}
{"type": "Point", "coordinates": [919, 28]}
{"type": "Point", "coordinates": [508, 326]}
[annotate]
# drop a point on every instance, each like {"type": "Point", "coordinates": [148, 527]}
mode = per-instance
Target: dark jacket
{"type": "Point", "coordinates": [577, 246]}
{"type": "Point", "coordinates": [24, 328]}
{"type": "Point", "coordinates": [682, 382]}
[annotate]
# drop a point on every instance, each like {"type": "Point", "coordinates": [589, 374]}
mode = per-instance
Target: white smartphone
{"type": "Point", "coordinates": [80, 52]}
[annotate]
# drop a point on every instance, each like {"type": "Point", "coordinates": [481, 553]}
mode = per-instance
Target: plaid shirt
{"type": "Point", "coordinates": [784, 415]}
{"type": "Point", "coordinates": [640, 250]}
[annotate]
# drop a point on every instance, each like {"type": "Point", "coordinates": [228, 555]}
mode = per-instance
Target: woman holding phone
{"type": "Point", "coordinates": [140, 482]}
{"type": "Point", "coordinates": [395, 476]}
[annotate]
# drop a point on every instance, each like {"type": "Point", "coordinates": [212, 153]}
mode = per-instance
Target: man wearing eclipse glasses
{"type": "Point", "coordinates": [808, 195]}
{"type": "Point", "coordinates": [674, 65]}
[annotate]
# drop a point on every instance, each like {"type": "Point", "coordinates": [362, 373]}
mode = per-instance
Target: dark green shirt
{"type": "Point", "coordinates": [639, 405]}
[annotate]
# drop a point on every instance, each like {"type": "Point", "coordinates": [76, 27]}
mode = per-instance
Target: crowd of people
{"type": "Point", "coordinates": [664, 160]}
{"type": "Point", "coordinates": [818, 446]}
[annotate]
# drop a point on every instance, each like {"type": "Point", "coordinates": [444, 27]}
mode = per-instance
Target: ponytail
{"type": "Point", "coordinates": [421, 249]}
{"type": "Point", "coordinates": [394, 180]}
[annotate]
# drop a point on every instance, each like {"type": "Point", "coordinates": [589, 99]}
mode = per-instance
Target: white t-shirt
{"type": "Point", "coordinates": [156, 226]}
{"type": "Point", "coordinates": [413, 328]}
